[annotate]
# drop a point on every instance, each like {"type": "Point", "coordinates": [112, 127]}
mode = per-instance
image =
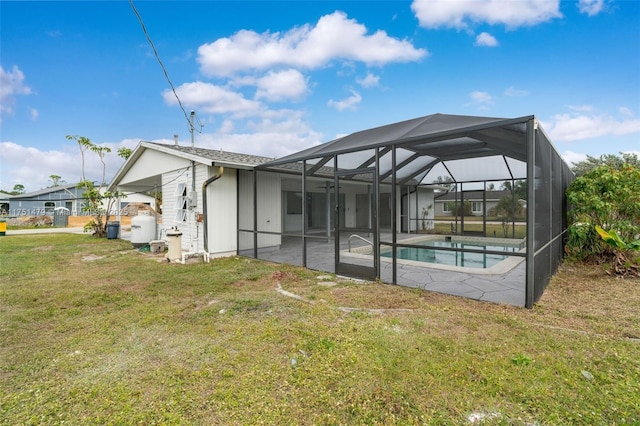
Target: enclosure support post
{"type": "Point", "coordinates": [394, 217]}
{"type": "Point", "coordinates": [484, 210]}
{"type": "Point", "coordinates": [531, 216]}
{"type": "Point", "coordinates": [304, 213]}
{"type": "Point", "coordinates": [336, 212]}
{"type": "Point", "coordinates": [376, 218]}
{"type": "Point", "coordinates": [328, 208]}
{"type": "Point", "coordinates": [408, 209]}
{"type": "Point", "coordinates": [255, 214]}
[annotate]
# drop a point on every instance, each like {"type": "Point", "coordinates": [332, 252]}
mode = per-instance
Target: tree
{"type": "Point", "coordinates": [101, 151]}
{"type": "Point", "coordinates": [583, 167]}
{"type": "Point", "coordinates": [507, 211]}
{"type": "Point", "coordinates": [445, 181]}
{"type": "Point", "coordinates": [84, 144]}
{"type": "Point", "coordinates": [607, 196]}
{"type": "Point", "coordinates": [518, 188]}
{"type": "Point", "coordinates": [460, 209]}
{"type": "Point", "coordinates": [18, 188]}
{"type": "Point", "coordinates": [57, 180]}
{"type": "Point", "coordinates": [125, 152]}
{"type": "Point", "coordinates": [94, 198]}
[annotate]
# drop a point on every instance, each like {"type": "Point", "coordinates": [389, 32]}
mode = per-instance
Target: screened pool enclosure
{"type": "Point", "coordinates": [364, 206]}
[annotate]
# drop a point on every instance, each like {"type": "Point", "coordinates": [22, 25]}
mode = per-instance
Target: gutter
{"type": "Point", "coordinates": [204, 207]}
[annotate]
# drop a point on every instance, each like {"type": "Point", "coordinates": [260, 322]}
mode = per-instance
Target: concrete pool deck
{"type": "Point", "coordinates": [505, 284]}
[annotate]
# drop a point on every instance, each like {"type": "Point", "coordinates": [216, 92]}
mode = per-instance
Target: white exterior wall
{"type": "Point", "coordinates": [152, 160]}
{"type": "Point", "coordinates": [222, 212]}
{"type": "Point", "coordinates": [424, 198]}
{"type": "Point", "coordinates": [192, 238]}
{"type": "Point", "coordinates": [269, 208]}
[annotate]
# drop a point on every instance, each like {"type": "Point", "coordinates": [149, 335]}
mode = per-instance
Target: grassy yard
{"type": "Point", "coordinates": [93, 332]}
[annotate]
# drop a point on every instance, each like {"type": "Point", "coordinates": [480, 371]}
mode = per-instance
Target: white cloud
{"type": "Point", "coordinates": [591, 7]}
{"type": "Point", "coordinates": [227, 126]}
{"type": "Point", "coordinates": [280, 85]}
{"type": "Point", "coordinates": [481, 99]}
{"type": "Point", "coordinates": [513, 92]}
{"type": "Point", "coordinates": [11, 85]}
{"type": "Point", "coordinates": [278, 134]}
{"type": "Point", "coordinates": [486, 40]}
{"type": "Point", "coordinates": [584, 124]}
{"type": "Point", "coordinates": [349, 103]}
{"type": "Point", "coordinates": [573, 157]}
{"type": "Point", "coordinates": [625, 111]}
{"type": "Point", "coordinates": [34, 114]}
{"type": "Point", "coordinates": [334, 37]}
{"type": "Point", "coordinates": [461, 14]}
{"type": "Point", "coordinates": [209, 98]}
{"type": "Point", "coordinates": [369, 80]}
{"type": "Point", "coordinates": [32, 167]}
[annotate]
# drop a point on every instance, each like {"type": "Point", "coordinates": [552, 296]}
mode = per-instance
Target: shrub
{"type": "Point", "coordinates": [608, 197]}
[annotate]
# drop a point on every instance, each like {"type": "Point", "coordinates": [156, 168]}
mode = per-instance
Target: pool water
{"type": "Point", "coordinates": [453, 258]}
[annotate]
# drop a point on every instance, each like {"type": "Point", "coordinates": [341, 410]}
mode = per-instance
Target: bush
{"type": "Point", "coordinates": [608, 197]}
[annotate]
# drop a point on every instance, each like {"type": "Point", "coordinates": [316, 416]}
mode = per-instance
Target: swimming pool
{"type": "Point", "coordinates": [454, 258]}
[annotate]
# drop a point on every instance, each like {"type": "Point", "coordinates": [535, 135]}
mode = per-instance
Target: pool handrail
{"type": "Point", "coordinates": [359, 237]}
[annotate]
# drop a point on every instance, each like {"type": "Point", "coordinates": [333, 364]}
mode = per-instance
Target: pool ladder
{"type": "Point", "coordinates": [359, 237]}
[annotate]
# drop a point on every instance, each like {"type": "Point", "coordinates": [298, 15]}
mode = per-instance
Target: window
{"type": "Point", "coordinates": [445, 207]}
{"type": "Point", "coordinates": [181, 202]}
{"type": "Point", "coordinates": [476, 206]}
{"type": "Point", "coordinates": [294, 202]}
{"type": "Point", "coordinates": [49, 207]}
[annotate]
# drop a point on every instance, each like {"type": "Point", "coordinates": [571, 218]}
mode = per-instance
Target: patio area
{"type": "Point", "coordinates": [506, 285]}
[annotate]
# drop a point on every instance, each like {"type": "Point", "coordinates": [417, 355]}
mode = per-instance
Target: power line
{"type": "Point", "coordinates": [155, 52]}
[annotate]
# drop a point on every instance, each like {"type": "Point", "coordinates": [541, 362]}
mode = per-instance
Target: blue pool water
{"type": "Point", "coordinates": [453, 258]}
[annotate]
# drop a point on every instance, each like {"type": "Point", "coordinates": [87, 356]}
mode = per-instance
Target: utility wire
{"type": "Point", "coordinates": [155, 52]}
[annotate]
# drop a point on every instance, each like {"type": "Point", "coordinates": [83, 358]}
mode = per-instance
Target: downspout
{"type": "Point", "coordinates": [204, 207]}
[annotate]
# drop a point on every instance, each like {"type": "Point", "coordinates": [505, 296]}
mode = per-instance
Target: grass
{"type": "Point", "coordinates": [96, 333]}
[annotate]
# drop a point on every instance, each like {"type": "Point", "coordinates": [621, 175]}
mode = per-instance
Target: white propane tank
{"type": "Point", "coordinates": [143, 230]}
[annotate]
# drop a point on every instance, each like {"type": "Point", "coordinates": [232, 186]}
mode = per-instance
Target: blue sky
{"type": "Point", "coordinates": [271, 78]}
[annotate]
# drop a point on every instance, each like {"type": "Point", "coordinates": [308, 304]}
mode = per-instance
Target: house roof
{"type": "Point", "coordinates": [473, 195]}
{"type": "Point", "coordinates": [455, 141]}
{"type": "Point", "coordinates": [210, 157]}
{"type": "Point", "coordinates": [44, 191]}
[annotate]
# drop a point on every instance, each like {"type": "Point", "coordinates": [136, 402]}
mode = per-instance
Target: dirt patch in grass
{"type": "Point", "coordinates": [42, 249]}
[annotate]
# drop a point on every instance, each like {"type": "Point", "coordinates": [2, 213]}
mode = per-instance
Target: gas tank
{"type": "Point", "coordinates": [143, 230]}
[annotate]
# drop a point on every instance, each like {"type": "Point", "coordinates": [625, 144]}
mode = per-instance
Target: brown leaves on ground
{"type": "Point", "coordinates": [584, 298]}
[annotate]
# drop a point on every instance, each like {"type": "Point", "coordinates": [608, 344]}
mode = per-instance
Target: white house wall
{"type": "Point", "coordinates": [269, 208]}
{"type": "Point", "coordinates": [424, 199]}
{"type": "Point", "coordinates": [151, 163]}
{"type": "Point", "coordinates": [222, 212]}
{"type": "Point", "coordinates": [192, 239]}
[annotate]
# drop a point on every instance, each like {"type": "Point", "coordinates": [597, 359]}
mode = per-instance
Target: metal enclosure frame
{"type": "Point", "coordinates": [402, 155]}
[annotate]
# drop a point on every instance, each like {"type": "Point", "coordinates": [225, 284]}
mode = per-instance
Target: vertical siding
{"type": "Point", "coordinates": [222, 212]}
{"type": "Point", "coordinates": [269, 208]}
{"type": "Point", "coordinates": [170, 181]}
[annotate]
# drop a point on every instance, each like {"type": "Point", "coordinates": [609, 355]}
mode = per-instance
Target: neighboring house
{"type": "Point", "coordinates": [479, 203]}
{"type": "Point", "coordinates": [4, 203]}
{"type": "Point", "coordinates": [45, 201]}
{"type": "Point", "coordinates": [189, 175]}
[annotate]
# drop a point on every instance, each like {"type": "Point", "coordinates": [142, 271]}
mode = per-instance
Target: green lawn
{"type": "Point", "coordinates": [96, 333]}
